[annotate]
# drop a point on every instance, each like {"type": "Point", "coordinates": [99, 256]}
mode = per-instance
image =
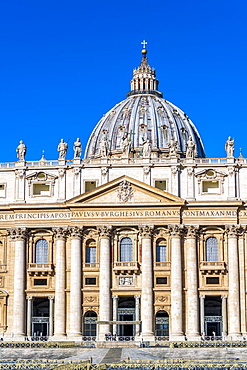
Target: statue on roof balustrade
{"type": "Point", "coordinates": [190, 149]}
{"type": "Point", "coordinates": [62, 148]}
{"type": "Point", "coordinates": [21, 151]}
{"type": "Point", "coordinates": [77, 148]}
{"type": "Point", "coordinates": [229, 147]}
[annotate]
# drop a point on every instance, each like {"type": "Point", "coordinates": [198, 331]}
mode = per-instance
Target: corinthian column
{"type": "Point", "coordinates": [105, 280]}
{"type": "Point", "coordinates": [233, 284]}
{"type": "Point", "coordinates": [75, 283]}
{"type": "Point", "coordinates": [176, 284]}
{"type": "Point", "coordinates": [18, 235]}
{"type": "Point", "coordinates": [147, 283]}
{"type": "Point", "coordinates": [60, 310]}
{"type": "Point", "coordinates": [192, 331]}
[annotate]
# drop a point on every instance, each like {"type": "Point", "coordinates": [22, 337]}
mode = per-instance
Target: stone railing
{"type": "Point", "coordinates": [40, 269]}
{"type": "Point", "coordinates": [126, 266]}
{"type": "Point", "coordinates": [163, 265]}
{"type": "Point", "coordinates": [212, 266]}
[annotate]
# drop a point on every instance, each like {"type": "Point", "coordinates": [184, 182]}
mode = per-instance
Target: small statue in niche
{"type": "Point", "coordinates": [146, 151]}
{"type": "Point", "coordinates": [21, 151]}
{"type": "Point", "coordinates": [104, 146]}
{"type": "Point", "coordinates": [229, 147]}
{"type": "Point", "coordinates": [77, 148]}
{"type": "Point", "coordinates": [172, 145]}
{"type": "Point", "coordinates": [62, 148]}
{"type": "Point", "coordinates": [190, 150]}
{"type": "Point", "coordinates": [126, 145]}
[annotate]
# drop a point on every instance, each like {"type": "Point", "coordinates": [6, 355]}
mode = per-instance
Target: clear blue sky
{"type": "Point", "coordinates": [65, 63]}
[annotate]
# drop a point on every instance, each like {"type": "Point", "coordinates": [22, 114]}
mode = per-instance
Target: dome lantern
{"type": "Point", "coordinates": [144, 78]}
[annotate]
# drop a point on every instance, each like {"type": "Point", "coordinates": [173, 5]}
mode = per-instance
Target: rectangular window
{"type": "Point", "coordinates": [91, 255]}
{"type": "Point", "coordinates": [2, 190]}
{"type": "Point", "coordinates": [41, 189]}
{"type": "Point", "coordinates": [90, 281]}
{"type": "Point", "coordinates": [89, 185]}
{"type": "Point", "coordinates": [210, 186]}
{"type": "Point", "coordinates": [160, 184]}
{"type": "Point", "coordinates": [40, 282]}
{"type": "Point", "coordinates": [161, 280]}
{"type": "Point", "coordinates": [212, 280]}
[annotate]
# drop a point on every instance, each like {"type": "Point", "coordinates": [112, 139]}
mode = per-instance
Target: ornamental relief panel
{"type": "Point", "coordinates": [161, 233]}
{"type": "Point", "coordinates": [93, 308]}
{"type": "Point", "coordinates": [165, 299]}
{"type": "Point", "coordinates": [162, 308]}
{"type": "Point", "coordinates": [90, 300]}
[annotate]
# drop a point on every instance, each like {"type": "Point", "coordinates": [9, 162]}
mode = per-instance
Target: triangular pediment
{"type": "Point", "coordinates": [125, 191]}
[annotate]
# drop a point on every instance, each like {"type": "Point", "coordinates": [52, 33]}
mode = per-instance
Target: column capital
{"type": "Point", "coordinates": [137, 296]}
{"type": "Point", "coordinates": [192, 231]}
{"type": "Point", "coordinates": [51, 298]}
{"type": "Point", "coordinates": [104, 231]}
{"type": "Point", "coordinates": [75, 232]}
{"type": "Point", "coordinates": [202, 296]}
{"type": "Point", "coordinates": [176, 230]}
{"type": "Point", "coordinates": [60, 232]}
{"type": "Point", "coordinates": [232, 230]}
{"type": "Point", "coordinates": [114, 296]}
{"type": "Point", "coordinates": [146, 231]}
{"type": "Point", "coordinates": [29, 298]}
{"type": "Point", "coordinates": [17, 233]}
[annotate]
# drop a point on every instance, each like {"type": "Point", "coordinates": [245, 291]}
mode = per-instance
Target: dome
{"type": "Point", "coordinates": [144, 115]}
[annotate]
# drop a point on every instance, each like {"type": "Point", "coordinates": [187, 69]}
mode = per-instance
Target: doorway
{"type": "Point", "coordinates": [213, 316]}
{"type": "Point", "coordinates": [40, 317]}
{"type": "Point", "coordinates": [126, 313]}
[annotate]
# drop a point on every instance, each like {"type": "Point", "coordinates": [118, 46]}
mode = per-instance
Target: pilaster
{"type": "Point", "coordinates": [60, 285]}
{"type": "Point", "coordinates": [19, 235]}
{"type": "Point", "coordinates": [233, 282]}
{"type": "Point", "coordinates": [192, 331]}
{"type": "Point", "coordinates": [176, 284]}
{"type": "Point", "coordinates": [75, 283]}
{"type": "Point", "coordinates": [105, 281]}
{"type": "Point", "coordinates": [145, 232]}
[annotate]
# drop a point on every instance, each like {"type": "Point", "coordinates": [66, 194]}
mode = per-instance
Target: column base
{"type": "Point", "coordinates": [177, 337]}
{"type": "Point", "coordinates": [75, 337]}
{"type": "Point", "coordinates": [147, 337]}
{"type": "Point", "coordinates": [234, 336]}
{"type": "Point", "coordinates": [59, 337]}
{"type": "Point", "coordinates": [193, 337]}
{"type": "Point", "coordinates": [15, 338]}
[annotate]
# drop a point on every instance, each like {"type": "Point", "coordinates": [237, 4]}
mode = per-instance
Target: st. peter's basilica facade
{"type": "Point", "coordinates": [142, 239]}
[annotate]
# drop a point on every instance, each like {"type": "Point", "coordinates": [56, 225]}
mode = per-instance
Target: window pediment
{"type": "Point", "coordinates": [210, 174]}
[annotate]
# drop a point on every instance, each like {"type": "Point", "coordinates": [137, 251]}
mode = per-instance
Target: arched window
{"type": "Point", "coordinates": [41, 251]}
{"type": "Point", "coordinates": [126, 250]}
{"type": "Point", "coordinates": [211, 249]}
{"type": "Point", "coordinates": [161, 250]}
{"type": "Point", "coordinates": [91, 251]}
{"type": "Point", "coordinates": [162, 324]}
{"type": "Point", "coordinates": [90, 324]}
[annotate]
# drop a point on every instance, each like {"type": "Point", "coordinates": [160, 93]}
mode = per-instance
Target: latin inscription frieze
{"type": "Point", "coordinates": [118, 214]}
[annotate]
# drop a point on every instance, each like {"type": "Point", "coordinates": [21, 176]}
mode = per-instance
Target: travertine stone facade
{"type": "Point", "coordinates": [143, 239]}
